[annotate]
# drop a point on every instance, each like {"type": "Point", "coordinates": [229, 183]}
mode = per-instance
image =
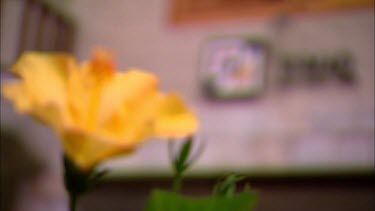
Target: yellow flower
{"type": "Point", "coordinates": [98, 112]}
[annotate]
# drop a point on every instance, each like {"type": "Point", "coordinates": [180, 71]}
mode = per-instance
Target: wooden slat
{"type": "Point", "coordinates": [184, 11]}
{"type": "Point", "coordinates": [43, 29]}
{"type": "Point", "coordinates": [24, 30]}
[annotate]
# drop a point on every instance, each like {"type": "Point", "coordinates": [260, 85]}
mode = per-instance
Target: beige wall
{"type": "Point", "coordinates": [140, 34]}
{"type": "Point", "coordinates": [298, 126]}
{"type": "Point", "coordinates": [327, 125]}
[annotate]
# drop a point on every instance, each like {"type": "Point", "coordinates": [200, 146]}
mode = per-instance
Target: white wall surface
{"type": "Point", "coordinates": [327, 125]}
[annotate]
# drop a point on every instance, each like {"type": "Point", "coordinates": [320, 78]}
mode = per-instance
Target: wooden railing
{"type": "Point", "coordinates": [44, 28]}
{"type": "Point", "coordinates": [193, 11]}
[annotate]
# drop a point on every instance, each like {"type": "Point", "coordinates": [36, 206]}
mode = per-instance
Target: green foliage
{"type": "Point", "coordinates": [170, 201]}
{"type": "Point", "coordinates": [181, 161]}
{"type": "Point", "coordinates": [224, 197]}
{"type": "Point", "coordinates": [227, 186]}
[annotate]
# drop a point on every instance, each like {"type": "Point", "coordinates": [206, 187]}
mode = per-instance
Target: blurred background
{"type": "Point", "coordinates": [284, 90]}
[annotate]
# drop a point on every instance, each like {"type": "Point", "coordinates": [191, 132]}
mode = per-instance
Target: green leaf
{"type": "Point", "coordinates": [181, 162]}
{"type": "Point", "coordinates": [170, 201]}
{"type": "Point", "coordinates": [227, 186]}
{"type": "Point", "coordinates": [95, 178]}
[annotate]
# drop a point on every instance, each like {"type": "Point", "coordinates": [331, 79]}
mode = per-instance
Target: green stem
{"type": "Point", "coordinates": [177, 183]}
{"type": "Point", "coordinates": [72, 202]}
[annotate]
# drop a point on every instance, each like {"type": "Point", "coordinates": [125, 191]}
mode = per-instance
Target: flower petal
{"type": "Point", "coordinates": [99, 113]}
{"type": "Point", "coordinates": [41, 90]}
{"type": "Point", "coordinates": [174, 119]}
{"type": "Point", "coordinates": [130, 87]}
{"type": "Point", "coordinates": [129, 105]}
{"type": "Point", "coordinates": [44, 75]}
{"type": "Point", "coordinates": [102, 64]}
{"type": "Point", "coordinates": [88, 150]}
{"type": "Point", "coordinates": [14, 91]}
